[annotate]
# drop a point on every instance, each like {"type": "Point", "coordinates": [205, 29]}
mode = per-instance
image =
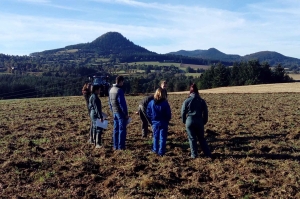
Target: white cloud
{"type": "Point", "coordinates": [165, 28]}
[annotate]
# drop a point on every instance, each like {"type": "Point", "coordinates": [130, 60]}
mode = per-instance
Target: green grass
{"type": "Point", "coordinates": [155, 63]}
{"type": "Point", "coordinates": [193, 74]}
{"type": "Point", "coordinates": [102, 59]}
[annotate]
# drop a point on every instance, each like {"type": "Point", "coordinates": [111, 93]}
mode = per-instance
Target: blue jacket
{"type": "Point", "coordinates": [159, 111]}
{"type": "Point", "coordinates": [117, 102]}
{"type": "Point", "coordinates": [194, 107]}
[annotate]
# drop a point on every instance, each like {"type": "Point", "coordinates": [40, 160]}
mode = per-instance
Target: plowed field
{"type": "Point", "coordinates": [254, 139]}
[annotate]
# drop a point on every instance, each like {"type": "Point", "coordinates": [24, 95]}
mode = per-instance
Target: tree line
{"type": "Point", "coordinates": [242, 73]}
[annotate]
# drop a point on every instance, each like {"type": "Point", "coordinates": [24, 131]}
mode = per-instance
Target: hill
{"type": "Point", "coordinates": [113, 46]}
{"type": "Point", "coordinates": [273, 58]}
{"type": "Point", "coordinates": [212, 54]}
{"type": "Point", "coordinates": [106, 44]}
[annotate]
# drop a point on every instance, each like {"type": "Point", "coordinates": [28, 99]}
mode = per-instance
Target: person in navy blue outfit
{"type": "Point", "coordinates": [159, 111]}
{"type": "Point", "coordinates": [194, 114]}
{"type": "Point", "coordinates": [118, 106]}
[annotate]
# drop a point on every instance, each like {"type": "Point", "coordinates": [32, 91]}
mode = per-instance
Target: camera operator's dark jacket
{"type": "Point", "coordinates": [144, 103]}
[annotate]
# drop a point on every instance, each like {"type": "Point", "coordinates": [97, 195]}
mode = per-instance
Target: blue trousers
{"type": "Point", "coordinates": [160, 133]}
{"type": "Point", "coordinates": [119, 134]}
{"type": "Point", "coordinates": [195, 131]}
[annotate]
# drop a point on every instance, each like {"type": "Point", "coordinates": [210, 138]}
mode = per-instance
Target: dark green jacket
{"type": "Point", "coordinates": [95, 106]}
{"type": "Point", "coordinates": [195, 108]}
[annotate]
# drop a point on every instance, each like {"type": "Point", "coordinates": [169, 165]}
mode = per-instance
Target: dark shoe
{"type": "Point", "coordinates": [98, 139]}
{"type": "Point", "coordinates": [144, 133]}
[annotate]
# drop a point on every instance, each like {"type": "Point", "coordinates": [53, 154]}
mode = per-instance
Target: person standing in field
{"type": "Point", "coordinates": [194, 114]}
{"type": "Point", "coordinates": [96, 114]}
{"type": "Point", "coordinates": [118, 106]}
{"type": "Point", "coordinates": [143, 115]}
{"type": "Point", "coordinates": [86, 92]}
{"type": "Point", "coordinates": [159, 111]}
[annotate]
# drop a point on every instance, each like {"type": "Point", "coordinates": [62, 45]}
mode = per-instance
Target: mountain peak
{"type": "Point", "coordinates": [106, 44]}
{"type": "Point", "coordinates": [110, 35]}
{"type": "Point", "coordinates": [213, 49]}
{"type": "Point", "coordinates": [115, 43]}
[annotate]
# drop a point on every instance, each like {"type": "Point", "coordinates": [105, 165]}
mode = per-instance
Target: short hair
{"type": "Point", "coordinates": [119, 79]}
{"type": "Point", "coordinates": [95, 88]}
{"type": "Point", "coordinates": [163, 81]}
{"type": "Point", "coordinates": [160, 94]}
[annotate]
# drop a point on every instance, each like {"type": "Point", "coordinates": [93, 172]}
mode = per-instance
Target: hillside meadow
{"type": "Point", "coordinates": [254, 139]}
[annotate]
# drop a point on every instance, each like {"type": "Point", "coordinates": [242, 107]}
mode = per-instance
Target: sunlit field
{"type": "Point", "coordinates": [254, 139]}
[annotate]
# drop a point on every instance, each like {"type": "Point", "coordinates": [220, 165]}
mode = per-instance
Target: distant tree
{"type": "Point", "coordinates": [221, 76]}
{"type": "Point", "coordinates": [190, 70]}
{"type": "Point", "coordinates": [135, 86]}
{"type": "Point", "coordinates": [279, 74]}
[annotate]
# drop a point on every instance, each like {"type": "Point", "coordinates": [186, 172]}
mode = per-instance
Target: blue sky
{"type": "Point", "coordinates": [232, 26]}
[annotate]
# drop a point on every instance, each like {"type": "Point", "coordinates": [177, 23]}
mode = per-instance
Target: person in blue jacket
{"type": "Point", "coordinates": [194, 115]}
{"type": "Point", "coordinates": [159, 112]}
{"type": "Point", "coordinates": [118, 106]}
{"type": "Point", "coordinates": [96, 114]}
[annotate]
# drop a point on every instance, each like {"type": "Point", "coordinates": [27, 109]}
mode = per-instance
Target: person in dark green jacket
{"type": "Point", "coordinates": [194, 115]}
{"type": "Point", "coordinates": [96, 114]}
{"type": "Point", "coordinates": [143, 114]}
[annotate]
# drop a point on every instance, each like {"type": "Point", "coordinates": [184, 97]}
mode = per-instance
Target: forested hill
{"type": "Point", "coordinates": [106, 44]}
{"type": "Point", "coordinates": [115, 46]}
{"type": "Point", "coordinates": [273, 58]}
{"type": "Point", "coordinates": [212, 54]}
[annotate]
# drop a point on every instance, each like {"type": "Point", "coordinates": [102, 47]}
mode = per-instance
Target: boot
{"type": "Point", "coordinates": [144, 133]}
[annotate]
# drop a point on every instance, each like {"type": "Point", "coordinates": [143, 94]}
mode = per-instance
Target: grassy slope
{"type": "Point", "coordinates": [254, 138]}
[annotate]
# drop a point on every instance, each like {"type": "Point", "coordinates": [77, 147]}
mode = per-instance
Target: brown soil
{"type": "Point", "coordinates": [254, 139]}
